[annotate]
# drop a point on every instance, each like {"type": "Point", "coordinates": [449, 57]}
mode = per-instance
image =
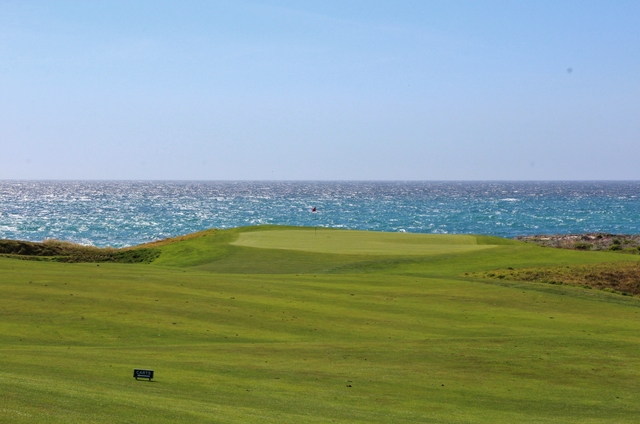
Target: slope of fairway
{"type": "Point", "coordinates": [279, 249]}
{"type": "Point", "coordinates": [374, 338]}
{"type": "Point", "coordinates": [359, 242]}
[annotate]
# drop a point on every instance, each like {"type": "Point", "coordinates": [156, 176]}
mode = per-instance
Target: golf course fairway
{"type": "Point", "coordinates": [300, 325]}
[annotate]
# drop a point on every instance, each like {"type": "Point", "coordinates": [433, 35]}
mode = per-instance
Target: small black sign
{"type": "Point", "coordinates": [137, 373]}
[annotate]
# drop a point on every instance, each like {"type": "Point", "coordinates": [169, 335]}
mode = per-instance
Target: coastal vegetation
{"type": "Point", "coordinates": [63, 251]}
{"type": "Point", "coordinates": [291, 324]}
{"type": "Point", "coordinates": [621, 243]}
{"type": "Point", "coordinates": [621, 277]}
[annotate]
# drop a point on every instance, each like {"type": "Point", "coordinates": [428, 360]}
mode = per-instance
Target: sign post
{"type": "Point", "coordinates": [138, 373]}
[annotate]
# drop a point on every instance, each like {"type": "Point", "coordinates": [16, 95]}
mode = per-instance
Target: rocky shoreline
{"type": "Point", "coordinates": [623, 243]}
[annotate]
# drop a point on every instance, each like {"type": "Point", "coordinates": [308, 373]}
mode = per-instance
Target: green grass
{"type": "Point", "coordinates": [359, 242]}
{"type": "Point", "coordinates": [243, 325]}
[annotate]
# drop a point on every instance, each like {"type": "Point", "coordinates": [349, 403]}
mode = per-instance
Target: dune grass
{"type": "Point", "coordinates": [283, 335]}
{"type": "Point", "coordinates": [62, 251]}
{"type": "Point", "coordinates": [621, 277]}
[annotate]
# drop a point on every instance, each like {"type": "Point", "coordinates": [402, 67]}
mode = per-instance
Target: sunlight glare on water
{"type": "Point", "coordinates": [125, 213]}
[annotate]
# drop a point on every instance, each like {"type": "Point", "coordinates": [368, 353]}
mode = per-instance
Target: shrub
{"type": "Point", "coordinates": [583, 246]}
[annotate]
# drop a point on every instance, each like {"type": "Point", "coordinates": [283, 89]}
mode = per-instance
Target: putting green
{"type": "Point", "coordinates": [359, 242]}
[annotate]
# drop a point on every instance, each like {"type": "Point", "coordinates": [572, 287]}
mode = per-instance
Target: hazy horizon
{"type": "Point", "coordinates": [311, 181]}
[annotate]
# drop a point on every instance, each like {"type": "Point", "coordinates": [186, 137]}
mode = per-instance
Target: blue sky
{"type": "Point", "coordinates": [331, 90]}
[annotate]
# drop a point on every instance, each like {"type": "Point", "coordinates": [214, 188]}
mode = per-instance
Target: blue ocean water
{"type": "Point", "coordinates": [125, 213]}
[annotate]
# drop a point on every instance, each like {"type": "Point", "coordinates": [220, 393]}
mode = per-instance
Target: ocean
{"type": "Point", "coordinates": [126, 213]}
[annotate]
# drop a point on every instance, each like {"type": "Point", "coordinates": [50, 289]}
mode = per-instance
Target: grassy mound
{"type": "Point", "coordinates": [63, 251]}
{"type": "Point", "coordinates": [278, 249]}
{"type": "Point", "coordinates": [276, 333]}
{"type": "Point", "coordinates": [621, 277]}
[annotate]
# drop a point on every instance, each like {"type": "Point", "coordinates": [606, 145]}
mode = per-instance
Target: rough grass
{"type": "Point", "coordinates": [64, 251]}
{"type": "Point", "coordinates": [621, 277]}
{"type": "Point", "coordinates": [316, 338]}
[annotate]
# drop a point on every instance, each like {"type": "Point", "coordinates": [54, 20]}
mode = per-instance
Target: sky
{"type": "Point", "coordinates": [309, 90]}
